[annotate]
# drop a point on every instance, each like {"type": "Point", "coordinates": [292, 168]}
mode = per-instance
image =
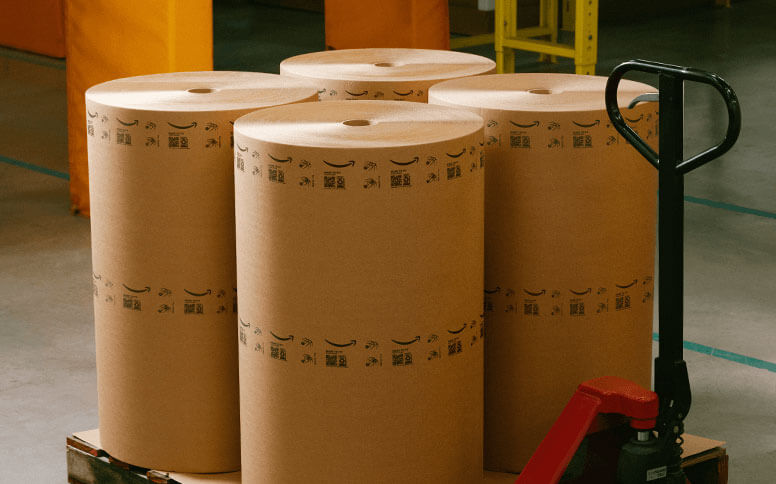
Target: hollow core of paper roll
{"type": "Point", "coordinates": [200, 91]}
{"type": "Point", "coordinates": [533, 92]}
{"type": "Point", "coordinates": [386, 64]}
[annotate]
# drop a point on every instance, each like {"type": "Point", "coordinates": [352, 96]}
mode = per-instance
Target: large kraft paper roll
{"type": "Point", "coordinates": [160, 161]}
{"type": "Point", "coordinates": [383, 74]}
{"type": "Point", "coordinates": [359, 255]}
{"type": "Point", "coordinates": [569, 247]}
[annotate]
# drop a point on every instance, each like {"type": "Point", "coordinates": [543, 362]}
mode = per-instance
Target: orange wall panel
{"type": "Point", "coordinates": [33, 25]}
{"type": "Point", "coordinates": [107, 39]}
{"type": "Point", "coordinates": [353, 24]}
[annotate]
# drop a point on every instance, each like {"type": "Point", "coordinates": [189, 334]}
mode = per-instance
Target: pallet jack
{"type": "Point", "coordinates": [647, 458]}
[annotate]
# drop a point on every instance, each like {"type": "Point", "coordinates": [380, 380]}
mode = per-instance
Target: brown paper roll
{"type": "Point", "coordinates": [383, 74]}
{"type": "Point", "coordinates": [160, 165]}
{"type": "Point", "coordinates": [569, 247]}
{"type": "Point", "coordinates": [359, 250]}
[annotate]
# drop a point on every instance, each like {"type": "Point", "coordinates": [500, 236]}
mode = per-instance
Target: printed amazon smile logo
{"type": "Point", "coordinates": [626, 286]}
{"type": "Point", "coordinates": [535, 293]}
{"type": "Point", "coordinates": [192, 125]}
{"type": "Point", "coordinates": [341, 345]}
{"type": "Point", "coordinates": [590, 125]}
{"type": "Point", "coordinates": [132, 123]}
{"type": "Point", "coordinates": [290, 337]}
{"type": "Point", "coordinates": [635, 120]}
{"type": "Point", "coordinates": [92, 115]}
{"type": "Point", "coordinates": [280, 160]}
{"type": "Point", "coordinates": [244, 324]}
{"type": "Point", "coordinates": [530, 125]}
{"type": "Point", "coordinates": [403, 93]}
{"type": "Point", "coordinates": [493, 291]}
{"type": "Point", "coordinates": [456, 331]}
{"type": "Point", "coordinates": [356, 94]}
{"type": "Point", "coordinates": [457, 155]}
{"type": "Point", "coordinates": [198, 294]}
{"type": "Point", "coordinates": [137, 291]}
{"type": "Point", "coordinates": [582, 293]}
{"type": "Point", "coordinates": [407, 343]}
{"type": "Point", "coordinates": [340, 165]}
{"type": "Point", "coordinates": [414, 160]}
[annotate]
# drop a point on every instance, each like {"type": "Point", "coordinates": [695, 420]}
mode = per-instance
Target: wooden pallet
{"type": "Point", "coordinates": [88, 463]}
{"type": "Point", "coordinates": [705, 462]}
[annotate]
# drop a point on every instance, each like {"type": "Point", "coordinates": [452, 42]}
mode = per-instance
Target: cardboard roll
{"type": "Point", "coordinates": [383, 74]}
{"type": "Point", "coordinates": [206, 91]}
{"type": "Point", "coordinates": [569, 247]}
{"type": "Point", "coordinates": [160, 165]}
{"type": "Point", "coordinates": [359, 250]}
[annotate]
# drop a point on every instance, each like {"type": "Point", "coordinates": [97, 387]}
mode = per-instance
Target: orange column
{"type": "Point", "coordinates": [33, 25]}
{"type": "Point", "coordinates": [353, 24]}
{"type": "Point", "coordinates": [107, 39]}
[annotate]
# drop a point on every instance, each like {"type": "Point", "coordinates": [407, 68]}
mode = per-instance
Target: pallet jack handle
{"type": "Point", "coordinates": [646, 459]}
{"type": "Point", "coordinates": [671, 379]}
{"type": "Point", "coordinates": [671, 80]}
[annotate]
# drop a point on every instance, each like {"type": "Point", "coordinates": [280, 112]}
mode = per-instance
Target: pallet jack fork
{"type": "Point", "coordinates": [647, 458]}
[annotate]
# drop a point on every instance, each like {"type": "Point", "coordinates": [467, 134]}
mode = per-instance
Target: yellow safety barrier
{"type": "Point", "coordinates": [507, 37]}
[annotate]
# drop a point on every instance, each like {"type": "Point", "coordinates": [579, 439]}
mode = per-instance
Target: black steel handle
{"type": "Point", "coordinates": [683, 74]}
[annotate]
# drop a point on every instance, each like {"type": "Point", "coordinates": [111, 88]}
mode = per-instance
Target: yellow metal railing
{"type": "Point", "coordinates": [507, 37]}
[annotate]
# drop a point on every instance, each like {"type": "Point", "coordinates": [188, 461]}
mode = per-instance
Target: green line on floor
{"type": "Point", "coordinates": [37, 59]}
{"type": "Point", "coordinates": [730, 206]}
{"type": "Point", "coordinates": [39, 169]}
{"type": "Point", "coordinates": [726, 355]}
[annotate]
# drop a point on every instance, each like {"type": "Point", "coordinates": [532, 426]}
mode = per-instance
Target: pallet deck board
{"type": "Point", "coordinates": [705, 462]}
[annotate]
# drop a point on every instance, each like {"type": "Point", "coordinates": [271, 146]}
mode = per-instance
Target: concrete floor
{"type": "Point", "coordinates": [47, 374]}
